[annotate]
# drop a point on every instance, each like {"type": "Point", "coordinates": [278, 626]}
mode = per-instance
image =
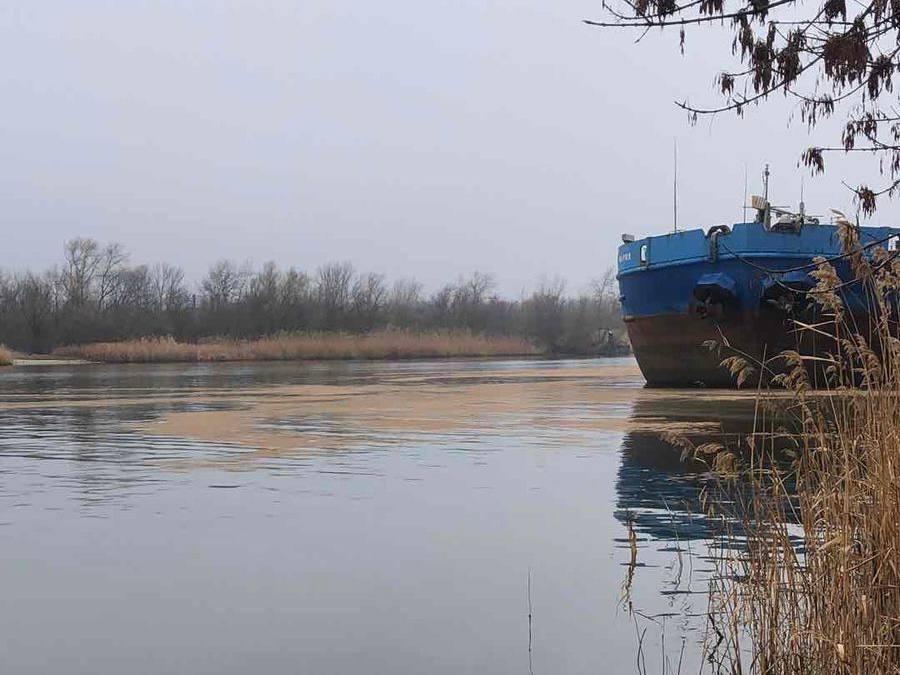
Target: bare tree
{"type": "Point", "coordinates": [110, 263]}
{"type": "Point", "coordinates": [295, 300]}
{"type": "Point", "coordinates": [82, 259]}
{"type": "Point", "coordinates": [403, 301]}
{"type": "Point", "coordinates": [474, 290]}
{"type": "Point", "coordinates": [469, 298]}
{"type": "Point", "coordinates": [441, 303]}
{"type": "Point", "coordinates": [544, 314]}
{"type": "Point", "coordinates": [169, 292]}
{"type": "Point", "coordinates": [134, 290]}
{"type": "Point", "coordinates": [224, 283]}
{"type": "Point", "coordinates": [369, 297]}
{"type": "Point", "coordinates": [604, 288]}
{"type": "Point", "coordinates": [34, 301]}
{"type": "Point", "coordinates": [605, 294]}
{"type": "Point", "coordinates": [333, 289]}
{"type": "Point", "coordinates": [264, 284]}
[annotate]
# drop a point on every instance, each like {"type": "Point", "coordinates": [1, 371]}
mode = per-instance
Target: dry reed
{"type": "Point", "coordinates": [388, 344]}
{"type": "Point", "coordinates": [6, 357]}
{"type": "Point", "coordinates": [815, 588]}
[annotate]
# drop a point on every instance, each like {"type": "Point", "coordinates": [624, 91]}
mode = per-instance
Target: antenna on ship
{"type": "Point", "coordinates": [675, 187]}
{"type": "Point", "coordinates": [802, 205]}
{"type": "Point", "coordinates": [745, 193]}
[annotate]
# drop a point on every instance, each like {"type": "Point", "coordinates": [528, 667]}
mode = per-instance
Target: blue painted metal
{"type": "Point", "coordinates": [674, 263]}
{"type": "Point", "coordinates": [663, 279]}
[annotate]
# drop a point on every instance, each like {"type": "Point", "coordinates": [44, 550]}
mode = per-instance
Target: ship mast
{"type": "Point", "coordinates": [802, 205]}
{"type": "Point", "coordinates": [744, 215]}
{"type": "Point", "coordinates": [675, 187]}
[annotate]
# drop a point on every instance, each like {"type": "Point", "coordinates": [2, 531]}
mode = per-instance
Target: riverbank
{"type": "Point", "coordinates": [382, 345]}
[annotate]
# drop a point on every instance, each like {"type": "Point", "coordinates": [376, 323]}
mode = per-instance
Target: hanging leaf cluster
{"type": "Point", "coordinates": [831, 58]}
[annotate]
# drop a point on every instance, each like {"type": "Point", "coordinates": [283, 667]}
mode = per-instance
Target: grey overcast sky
{"type": "Point", "coordinates": [425, 139]}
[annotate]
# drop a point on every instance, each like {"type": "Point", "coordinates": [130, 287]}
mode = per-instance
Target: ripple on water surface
{"type": "Point", "coordinates": [345, 517]}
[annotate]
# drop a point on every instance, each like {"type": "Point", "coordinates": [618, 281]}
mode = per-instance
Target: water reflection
{"type": "Point", "coordinates": [271, 516]}
{"type": "Point", "coordinates": [656, 489]}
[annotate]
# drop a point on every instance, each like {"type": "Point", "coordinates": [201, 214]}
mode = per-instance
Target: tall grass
{"type": "Point", "coordinates": [815, 586]}
{"type": "Point", "coordinates": [388, 344]}
{"type": "Point", "coordinates": [6, 357]}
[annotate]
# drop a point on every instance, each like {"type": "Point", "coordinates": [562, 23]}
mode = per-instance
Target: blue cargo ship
{"type": "Point", "coordinates": [739, 282]}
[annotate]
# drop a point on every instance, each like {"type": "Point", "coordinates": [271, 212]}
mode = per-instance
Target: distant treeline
{"type": "Point", "coordinates": [96, 295]}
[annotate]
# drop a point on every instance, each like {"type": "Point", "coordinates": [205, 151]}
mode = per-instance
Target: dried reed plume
{"type": "Point", "coordinates": [816, 587]}
{"type": "Point", "coordinates": [389, 344]}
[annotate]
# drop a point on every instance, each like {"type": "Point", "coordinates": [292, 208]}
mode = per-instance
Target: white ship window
{"type": "Point", "coordinates": [643, 254]}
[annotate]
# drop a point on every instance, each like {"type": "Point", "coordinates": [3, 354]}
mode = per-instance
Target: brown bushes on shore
{"type": "Point", "coordinates": [815, 585]}
{"type": "Point", "coordinates": [295, 347]}
{"type": "Point", "coordinates": [6, 357]}
{"type": "Point", "coordinates": [96, 295]}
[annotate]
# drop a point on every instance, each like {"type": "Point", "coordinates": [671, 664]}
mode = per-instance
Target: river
{"type": "Point", "coordinates": [397, 518]}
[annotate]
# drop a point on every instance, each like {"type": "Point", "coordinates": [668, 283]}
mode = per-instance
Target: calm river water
{"type": "Point", "coordinates": [348, 518]}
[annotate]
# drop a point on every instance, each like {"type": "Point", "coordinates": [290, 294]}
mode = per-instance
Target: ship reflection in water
{"type": "Point", "coordinates": [655, 489]}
